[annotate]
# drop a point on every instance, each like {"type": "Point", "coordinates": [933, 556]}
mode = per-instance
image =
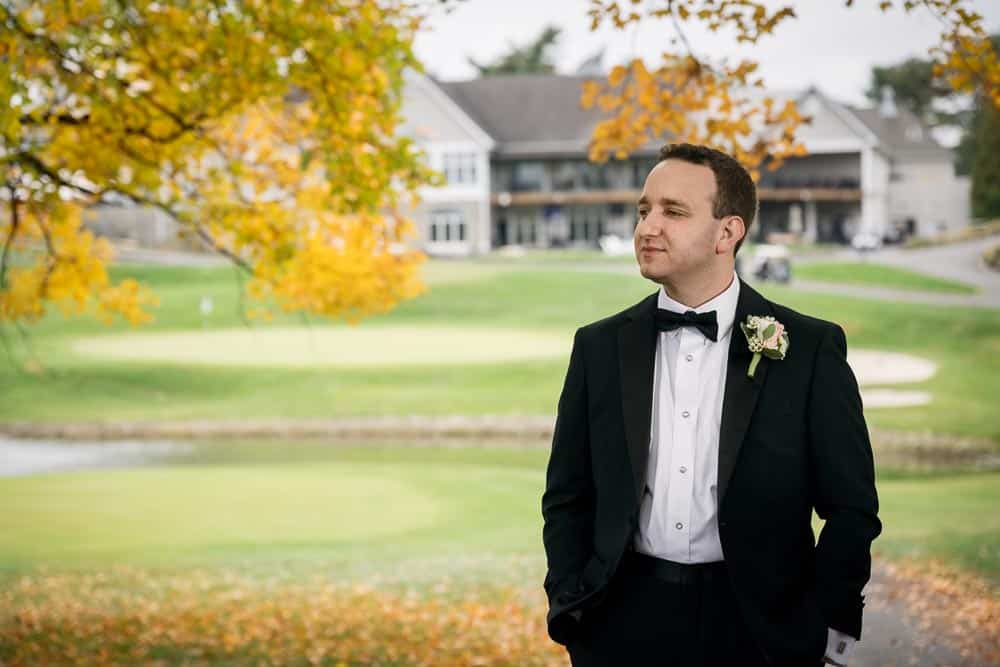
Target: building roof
{"type": "Point", "coordinates": [529, 114]}
{"type": "Point", "coordinates": [903, 134]}
{"type": "Point", "coordinates": [539, 115]}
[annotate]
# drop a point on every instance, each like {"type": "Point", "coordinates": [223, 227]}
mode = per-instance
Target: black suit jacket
{"type": "Point", "coordinates": [792, 438]}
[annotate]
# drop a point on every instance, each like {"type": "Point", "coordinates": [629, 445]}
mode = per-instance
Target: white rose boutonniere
{"type": "Point", "coordinates": [765, 336]}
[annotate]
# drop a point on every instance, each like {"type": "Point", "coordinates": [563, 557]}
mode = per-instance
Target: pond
{"type": "Point", "coordinates": [22, 456]}
{"type": "Point", "coordinates": [27, 457]}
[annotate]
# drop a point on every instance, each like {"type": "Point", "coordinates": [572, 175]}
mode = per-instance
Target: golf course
{"type": "Point", "coordinates": [280, 550]}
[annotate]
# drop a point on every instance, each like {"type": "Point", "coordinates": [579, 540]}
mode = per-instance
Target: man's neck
{"type": "Point", "coordinates": [693, 293]}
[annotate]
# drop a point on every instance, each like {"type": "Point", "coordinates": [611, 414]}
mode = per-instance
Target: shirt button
{"type": "Point", "coordinates": [685, 414]}
{"type": "Point", "coordinates": [684, 469]}
{"type": "Point", "coordinates": [679, 525]}
{"type": "Point", "coordinates": [689, 357]}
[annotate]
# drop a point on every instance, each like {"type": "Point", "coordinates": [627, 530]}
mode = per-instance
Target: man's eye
{"type": "Point", "coordinates": [642, 213]}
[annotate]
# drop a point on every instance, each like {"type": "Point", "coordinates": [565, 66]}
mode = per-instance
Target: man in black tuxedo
{"type": "Point", "coordinates": [680, 487]}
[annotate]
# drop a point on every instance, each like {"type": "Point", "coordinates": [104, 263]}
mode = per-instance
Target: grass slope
{"type": "Point", "coordinates": [965, 342]}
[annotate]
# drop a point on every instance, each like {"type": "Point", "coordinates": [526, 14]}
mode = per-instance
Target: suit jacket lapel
{"type": "Point", "coordinates": [636, 347]}
{"type": "Point", "coordinates": [636, 350]}
{"type": "Point", "coordinates": [741, 391]}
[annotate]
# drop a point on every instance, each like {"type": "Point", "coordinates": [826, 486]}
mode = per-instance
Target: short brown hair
{"type": "Point", "coordinates": [735, 192]}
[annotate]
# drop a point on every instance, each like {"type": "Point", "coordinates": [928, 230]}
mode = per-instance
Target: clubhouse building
{"type": "Point", "coordinates": [513, 150]}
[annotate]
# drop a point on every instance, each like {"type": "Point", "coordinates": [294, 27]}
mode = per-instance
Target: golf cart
{"type": "Point", "coordinates": [771, 262]}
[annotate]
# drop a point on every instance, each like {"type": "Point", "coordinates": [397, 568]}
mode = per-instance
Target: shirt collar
{"type": "Point", "coordinates": [723, 303]}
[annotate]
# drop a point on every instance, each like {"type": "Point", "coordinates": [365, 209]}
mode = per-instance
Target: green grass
{"type": "Point", "coordinates": [354, 505]}
{"type": "Point", "coordinates": [880, 275]}
{"type": "Point", "coordinates": [559, 255]}
{"type": "Point", "coordinates": [965, 342]}
{"type": "Point", "coordinates": [952, 518]}
{"type": "Point", "coordinates": [170, 514]}
{"type": "Point", "coordinates": [369, 507]}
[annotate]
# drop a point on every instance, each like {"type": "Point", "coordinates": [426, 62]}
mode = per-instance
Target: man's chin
{"type": "Point", "coordinates": [656, 274]}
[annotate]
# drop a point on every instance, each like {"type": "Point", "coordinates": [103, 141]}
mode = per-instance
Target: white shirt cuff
{"type": "Point", "coordinates": [839, 646]}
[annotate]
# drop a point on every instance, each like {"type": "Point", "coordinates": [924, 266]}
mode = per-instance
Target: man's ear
{"type": "Point", "coordinates": [733, 229]}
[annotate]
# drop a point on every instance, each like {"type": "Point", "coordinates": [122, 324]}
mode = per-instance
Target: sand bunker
{"type": "Point", "coordinates": [332, 346]}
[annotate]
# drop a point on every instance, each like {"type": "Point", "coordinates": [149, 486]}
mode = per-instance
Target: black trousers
{"type": "Point", "coordinates": [676, 615]}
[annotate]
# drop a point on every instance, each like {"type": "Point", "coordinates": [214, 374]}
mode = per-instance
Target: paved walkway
{"type": "Point", "coordinates": [896, 633]}
{"type": "Point", "coordinates": [954, 261]}
{"type": "Point", "coordinates": [979, 300]}
{"type": "Point", "coordinates": [962, 261]}
{"type": "Point", "coordinates": [134, 255]}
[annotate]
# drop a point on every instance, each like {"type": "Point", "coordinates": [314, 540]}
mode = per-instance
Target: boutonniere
{"type": "Point", "coordinates": [765, 336]}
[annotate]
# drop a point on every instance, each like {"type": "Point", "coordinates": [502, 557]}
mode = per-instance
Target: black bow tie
{"type": "Point", "coordinates": [667, 320]}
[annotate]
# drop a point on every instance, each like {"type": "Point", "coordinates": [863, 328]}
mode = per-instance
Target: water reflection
{"type": "Point", "coordinates": [22, 456]}
{"type": "Point", "coordinates": [29, 457]}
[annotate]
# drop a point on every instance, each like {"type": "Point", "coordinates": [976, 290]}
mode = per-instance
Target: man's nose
{"type": "Point", "coordinates": [648, 226]}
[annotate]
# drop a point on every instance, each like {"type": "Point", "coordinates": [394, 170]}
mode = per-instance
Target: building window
{"type": "Point", "coordinates": [528, 176]}
{"type": "Point", "coordinates": [447, 226]}
{"type": "Point", "coordinates": [459, 168]}
{"type": "Point", "coordinates": [522, 226]}
{"type": "Point", "coordinates": [564, 176]}
{"type": "Point", "coordinates": [585, 223]}
{"type": "Point", "coordinates": [594, 176]}
{"type": "Point", "coordinates": [642, 168]}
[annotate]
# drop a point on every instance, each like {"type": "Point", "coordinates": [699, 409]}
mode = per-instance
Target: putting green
{"type": "Point", "coordinates": [331, 346]}
{"type": "Point", "coordinates": [166, 513]}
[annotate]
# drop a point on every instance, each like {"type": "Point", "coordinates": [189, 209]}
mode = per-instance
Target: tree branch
{"type": "Point", "coordinates": [199, 229]}
{"type": "Point", "coordinates": [680, 33]}
{"type": "Point", "coordinates": [9, 241]}
{"type": "Point", "coordinates": [33, 160]}
{"type": "Point", "coordinates": [53, 257]}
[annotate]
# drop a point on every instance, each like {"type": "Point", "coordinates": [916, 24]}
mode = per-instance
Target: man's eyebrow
{"type": "Point", "coordinates": [664, 201]}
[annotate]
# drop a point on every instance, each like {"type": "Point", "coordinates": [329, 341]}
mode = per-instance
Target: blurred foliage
{"type": "Point", "coordinates": [691, 97]}
{"type": "Point", "coordinates": [266, 128]}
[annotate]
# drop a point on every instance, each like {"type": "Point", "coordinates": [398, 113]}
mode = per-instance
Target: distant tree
{"type": "Point", "coordinates": [532, 58]}
{"type": "Point", "coordinates": [986, 166]}
{"type": "Point", "coordinates": [592, 65]}
{"type": "Point", "coordinates": [966, 150]}
{"type": "Point", "coordinates": [916, 88]}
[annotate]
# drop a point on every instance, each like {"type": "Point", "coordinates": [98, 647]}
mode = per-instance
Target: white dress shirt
{"type": "Point", "coordinates": [678, 515]}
